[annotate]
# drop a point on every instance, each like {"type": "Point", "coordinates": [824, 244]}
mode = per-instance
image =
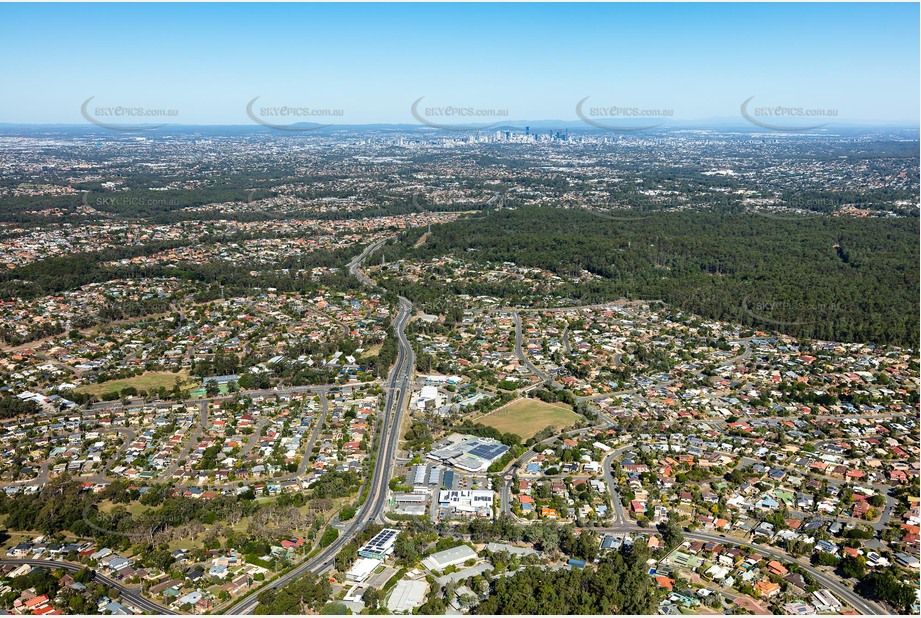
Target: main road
{"type": "Point", "coordinates": [399, 388]}
{"type": "Point", "coordinates": [131, 596]}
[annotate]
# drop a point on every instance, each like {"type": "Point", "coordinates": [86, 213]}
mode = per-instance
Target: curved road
{"type": "Point", "coordinates": [862, 605]}
{"type": "Point", "coordinates": [130, 595]}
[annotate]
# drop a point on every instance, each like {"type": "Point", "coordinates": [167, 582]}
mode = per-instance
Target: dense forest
{"type": "Point", "coordinates": [619, 585]}
{"type": "Point", "coordinates": [830, 278]}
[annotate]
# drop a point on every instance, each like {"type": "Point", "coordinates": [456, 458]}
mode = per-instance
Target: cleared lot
{"type": "Point", "coordinates": [151, 380]}
{"type": "Point", "coordinates": [526, 417]}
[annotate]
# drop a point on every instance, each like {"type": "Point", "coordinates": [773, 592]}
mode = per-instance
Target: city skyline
{"type": "Point", "coordinates": [461, 310]}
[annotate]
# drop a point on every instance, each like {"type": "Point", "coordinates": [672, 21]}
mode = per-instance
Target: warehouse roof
{"type": "Point", "coordinates": [443, 559]}
{"type": "Point", "coordinates": [406, 596]}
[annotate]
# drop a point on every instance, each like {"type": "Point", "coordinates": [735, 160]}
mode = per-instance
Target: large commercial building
{"type": "Point", "coordinates": [511, 549]}
{"type": "Point", "coordinates": [429, 398]}
{"type": "Point", "coordinates": [467, 502]}
{"type": "Point", "coordinates": [407, 595]}
{"type": "Point", "coordinates": [441, 560]}
{"type": "Point", "coordinates": [411, 503]}
{"type": "Point", "coordinates": [469, 453]}
{"type": "Point", "coordinates": [362, 568]}
{"type": "Point", "coordinates": [381, 545]}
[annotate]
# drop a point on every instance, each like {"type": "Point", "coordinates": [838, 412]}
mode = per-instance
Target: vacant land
{"type": "Point", "coordinates": [151, 380]}
{"type": "Point", "coordinates": [526, 417]}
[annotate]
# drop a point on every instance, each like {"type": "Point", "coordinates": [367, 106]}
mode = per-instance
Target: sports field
{"type": "Point", "coordinates": [526, 417]}
{"type": "Point", "coordinates": [144, 382]}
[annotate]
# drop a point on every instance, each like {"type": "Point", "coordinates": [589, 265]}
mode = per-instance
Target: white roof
{"type": "Point", "coordinates": [444, 559]}
{"type": "Point", "coordinates": [429, 392]}
{"type": "Point", "coordinates": [362, 568]}
{"type": "Point", "coordinates": [406, 596]}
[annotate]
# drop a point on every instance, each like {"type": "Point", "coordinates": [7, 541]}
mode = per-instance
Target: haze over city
{"type": "Point", "coordinates": [481, 309]}
{"type": "Point", "coordinates": [536, 61]}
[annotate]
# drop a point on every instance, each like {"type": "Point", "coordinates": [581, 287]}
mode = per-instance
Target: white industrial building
{"type": "Point", "coordinates": [441, 560]}
{"type": "Point", "coordinates": [470, 453]}
{"type": "Point", "coordinates": [407, 595]}
{"type": "Point", "coordinates": [468, 502]}
{"type": "Point", "coordinates": [429, 398]}
{"type": "Point", "coordinates": [825, 601]}
{"type": "Point", "coordinates": [381, 545]}
{"type": "Point", "coordinates": [514, 550]}
{"type": "Point", "coordinates": [410, 503]}
{"type": "Point", "coordinates": [362, 568]}
{"type": "Point", "coordinates": [439, 379]}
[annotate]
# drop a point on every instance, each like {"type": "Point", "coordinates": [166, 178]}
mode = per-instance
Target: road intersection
{"type": "Point", "coordinates": [399, 388]}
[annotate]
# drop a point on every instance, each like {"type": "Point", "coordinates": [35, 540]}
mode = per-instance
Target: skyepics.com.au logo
{"type": "Point", "coordinates": [440, 306]}
{"type": "Point", "coordinates": [293, 117]}
{"type": "Point", "coordinates": [127, 117]}
{"type": "Point", "coordinates": [787, 312]}
{"type": "Point", "coordinates": [121, 523]}
{"type": "Point", "coordinates": [457, 118]}
{"type": "Point", "coordinates": [622, 117]}
{"type": "Point", "coordinates": [122, 201]}
{"type": "Point", "coordinates": [786, 117]}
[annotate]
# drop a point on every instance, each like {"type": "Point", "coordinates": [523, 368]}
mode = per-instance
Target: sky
{"type": "Point", "coordinates": [525, 61]}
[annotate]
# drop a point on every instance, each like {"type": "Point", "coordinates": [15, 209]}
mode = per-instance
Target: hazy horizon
{"type": "Point", "coordinates": [857, 64]}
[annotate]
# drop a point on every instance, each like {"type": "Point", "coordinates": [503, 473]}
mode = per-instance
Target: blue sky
{"type": "Point", "coordinates": [534, 60]}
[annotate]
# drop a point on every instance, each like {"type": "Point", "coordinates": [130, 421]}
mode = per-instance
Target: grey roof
{"type": "Point", "coordinates": [517, 551]}
{"type": "Point", "coordinates": [446, 558]}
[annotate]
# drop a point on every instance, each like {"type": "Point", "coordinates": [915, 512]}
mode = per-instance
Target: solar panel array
{"type": "Point", "coordinates": [469, 452]}
{"type": "Point", "coordinates": [381, 542]}
{"type": "Point", "coordinates": [488, 451]}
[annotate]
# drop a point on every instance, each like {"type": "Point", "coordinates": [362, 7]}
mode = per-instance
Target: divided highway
{"type": "Point", "coordinates": [399, 388]}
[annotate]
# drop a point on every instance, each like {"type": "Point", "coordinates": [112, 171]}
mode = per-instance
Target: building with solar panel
{"type": "Point", "coordinates": [466, 503]}
{"type": "Point", "coordinates": [468, 453]}
{"type": "Point", "coordinates": [381, 545]}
